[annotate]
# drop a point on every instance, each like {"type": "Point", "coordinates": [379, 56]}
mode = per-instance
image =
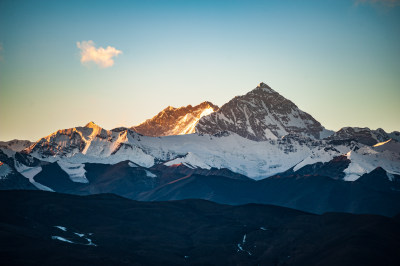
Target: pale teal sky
{"type": "Point", "coordinates": [338, 60]}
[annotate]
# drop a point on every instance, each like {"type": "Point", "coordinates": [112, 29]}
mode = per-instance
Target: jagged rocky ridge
{"type": "Point", "coordinates": [261, 114]}
{"type": "Point", "coordinates": [175, 121]}
{"type": "Point", "coordinates": [229, 147]}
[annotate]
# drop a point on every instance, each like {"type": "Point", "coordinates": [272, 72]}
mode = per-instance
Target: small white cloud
{"type": "Point", "coordinates": [100, 56]}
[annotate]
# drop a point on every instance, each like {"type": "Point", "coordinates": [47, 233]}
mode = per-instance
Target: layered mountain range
{"type": "Point", "coordinates": [257, 148]}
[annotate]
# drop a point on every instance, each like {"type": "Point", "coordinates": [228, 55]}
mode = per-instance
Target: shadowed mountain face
{"type": "Point", "coordinates": [10, 178]}
{"type": "Point", "coordinates": [372, 193]}
{"type": "Point", "coordinates": [316, 188]}
{"type": "Point", "coordinates": [123, 178]}
{"type": "Point", "coordinates": [259, 115]}
{"type": "Point", "coordinates": [56, 229]}
{"type": "Point", "coordinates": [175, 121]}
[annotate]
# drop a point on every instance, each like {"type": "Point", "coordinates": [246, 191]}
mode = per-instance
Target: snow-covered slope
{"type": "Point", "coordinates": [91, 143]}
{"type": "Point", "coordinates": [261, 114]}
{"type": "Point", "coordinates": [255, 159]}
{"type": "Point", "coordinates": [366, 159]}
{"type": "Point", "coordinates": [175, 121]}
{"type": "Point", "coordinates": [241, 155]}
{"type": "Point", "coordinates": [258, 135]}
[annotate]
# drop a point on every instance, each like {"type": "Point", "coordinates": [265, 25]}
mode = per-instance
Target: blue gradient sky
{"type": "Point", "coordinates": [338, 60]}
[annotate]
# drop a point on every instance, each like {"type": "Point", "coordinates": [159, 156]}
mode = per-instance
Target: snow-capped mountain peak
{"type": "Point", "coordinates": [91, 124]}
{"type": "Point", "coordinates": [261, 114]}
{"type": "Point", "coordinates": [265, 87]}
{"type": "Point", "coordinates": [267, 134]}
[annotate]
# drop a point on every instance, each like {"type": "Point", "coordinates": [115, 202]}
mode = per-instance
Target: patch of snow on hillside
{"type": "Point", "coordinates": [61, 228]}
{"type": "Point", "coordinates": [317, 156]}
{"type": "Point", "coordinates": [191, 159]}
{"type": "Point", "coordinates": [30, 173]}
{"type": "Point", "coordinates": [90, 242]}
{"type": "Point", "coordinates": [269, 135]}
{"type": "Point", "coordinates": [149, 174]}
{"type": "Point", "coordinates": [75, 171]}
{"type": "Point", "coordinates": [62, 239]}
{"type": "Point", "coordinates": [240, 246]}
{"type": "Point", "coordinates": [390, 176]}
{"type": "Point", "coordinates": [81, 235]}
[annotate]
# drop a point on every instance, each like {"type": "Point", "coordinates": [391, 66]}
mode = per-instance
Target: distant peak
{"type": "Point", "coordinates": [264, 87]}
{"type": "Point", "coordinates": [356, 128]}
{"type": "Point", "coordinates": [169, 107]}
{"type": "Point", "coordinates": [91, 124]}
{"type": "Point", "coordinates": [207, 104]}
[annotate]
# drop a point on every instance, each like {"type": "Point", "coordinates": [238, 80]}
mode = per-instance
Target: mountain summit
{"type": "Point", "coordinates": [175, 121]}
{"type": "Point", "coordinates": [259, 115]}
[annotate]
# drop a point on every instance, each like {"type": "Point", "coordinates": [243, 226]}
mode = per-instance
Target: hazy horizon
{"type": "Point", "coordinates": [65, 63]}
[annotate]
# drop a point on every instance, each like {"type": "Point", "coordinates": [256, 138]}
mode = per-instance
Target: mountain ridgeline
{"type": "Point", "coordinates": [175, 121]}
{"type": "Point", "coordinates": [255, 182]}
{"type": "Point", "coordinates": [261, 114]}
{"type": "Point", "coordinates": [257, 148]}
